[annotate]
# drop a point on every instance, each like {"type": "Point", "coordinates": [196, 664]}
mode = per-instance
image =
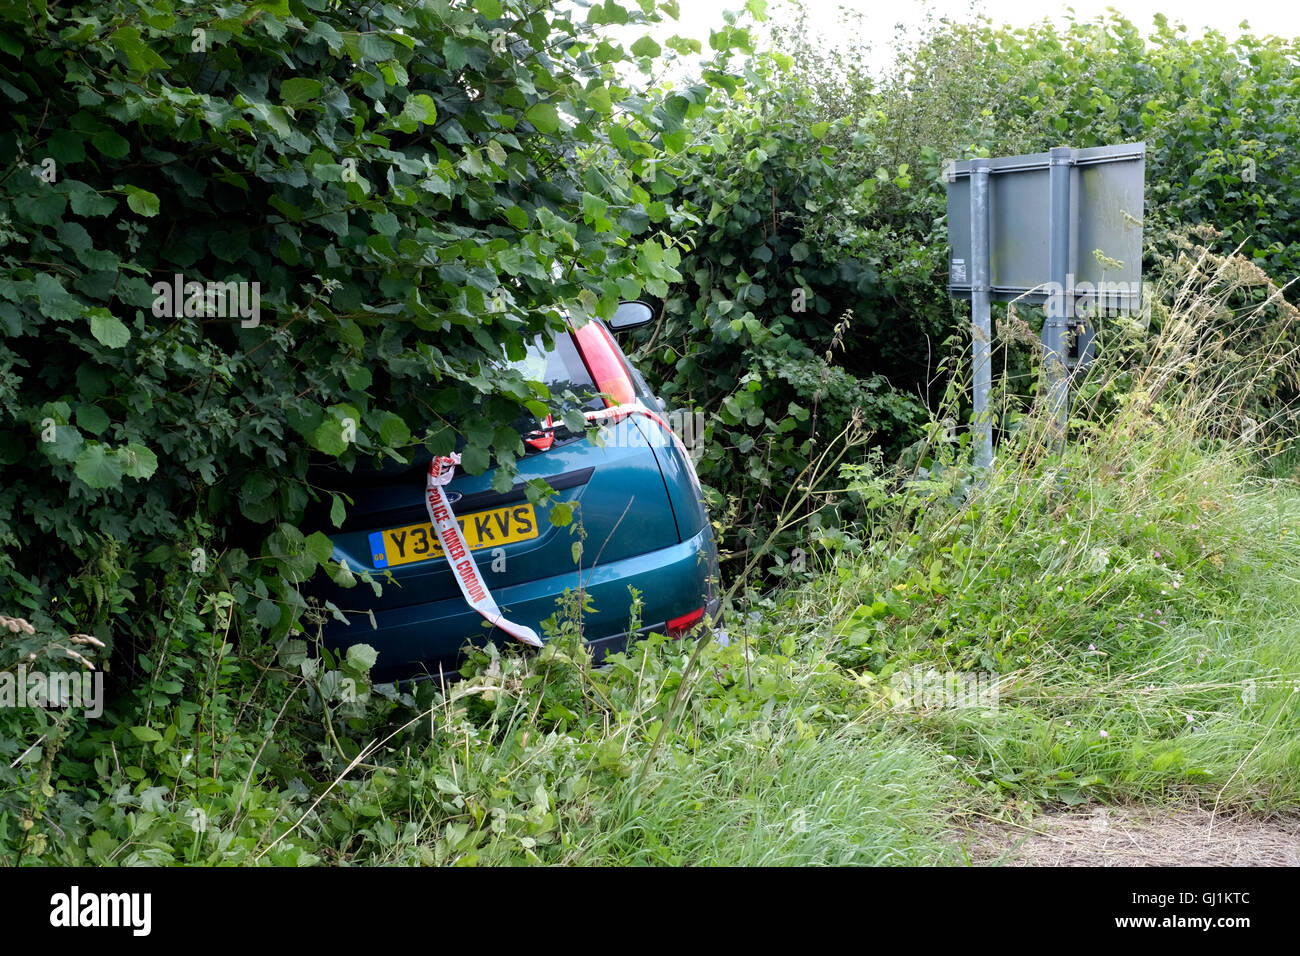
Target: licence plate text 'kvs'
{"type": "Point", "coordinates": [483, 529]}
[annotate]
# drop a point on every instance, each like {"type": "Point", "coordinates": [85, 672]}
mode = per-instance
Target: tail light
{"type": "Point", "coordinates": [600, 355]}
{"type": "Point", "coordinates": [680, 626]}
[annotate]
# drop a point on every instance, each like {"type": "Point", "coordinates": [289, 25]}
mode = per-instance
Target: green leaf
{"type": "Point", "coordinates": [141, 58]}
{"type": "Point", "coordinates": [421, 108]}
{"type": "Point", "coordinates": [110, 144]}
{"type": "Point", "coordinates": [517, 217]}
{"type": "Point", "coordinates": [142, 201]}
{"type": "Point", "coordinates": [109, 329]}
{"type": "Point", "coordinates": [67, 444]}
{"type": "Point", "coordinates": [75, 237]}
{"type": "Point", "coordinates": [367, 46]}
{"type": "Point", "coordinates": [362, 657]}
{"type": "Point", "coordinates": [454, 52]}
{"type": "Point", "coordinates": [320, 547]}
{"type": "Point", "coordinates": [87, 202]}
{"type": "Point", "coordinates": [593, 207]}
{"type": "Point", "coordinates": [328, 437]}
{"type": "Point", "coordinates": [562, 514]}
{"type": "Point", "coordinates": [634, 220]}
{"type": "Point", "coordinates": [93, 419]}
{"type": "Point", "coordinates": [475, 459]}
{"type": "Point", "coordinates": [544, 117]}
{"type": "Point", "coordinates": [299, 90]}
{"type": "Point", "coordinates": [46, 209]}
{"type": "Point", "coordinates": [646, 46]}
{"type": "Point", "coordinates": [574, 421]}
{"type": "Point", "coordinates": [599, 100]}
{"type": "Point", "coordinates": [228, 246]}
{"type": "Point", "coordinates": [268, 613]}
{"type": "Point", "coordinates": [56, 302]}
{"type": "Point", "coordinates": [338, 512]}
{"type": "Point", "coordinates": [351, 334]}
{"type": "Point", "coordinates": [138, 461]}
{"type": "Point", "coordinates": [68, 145]}
{"type": "Point", "coordinates": [146, 734]}
{"type": "Point", "coordinates": [394, 431]}
{"type": "Point", "coordinates": [98, 467]}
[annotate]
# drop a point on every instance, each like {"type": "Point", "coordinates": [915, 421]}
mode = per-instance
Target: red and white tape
{"type": "Point", "coordinates": [456, 549]}
{"type": "Point", "coordinates": [459, 556]}
{"type": "Point", "coordinates": [616, 413]}
{"type": "Point", "coordinates": [612, 416]}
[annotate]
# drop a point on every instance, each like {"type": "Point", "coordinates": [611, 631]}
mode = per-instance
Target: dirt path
{"type": "Point", "coordinates": [1135, 836]}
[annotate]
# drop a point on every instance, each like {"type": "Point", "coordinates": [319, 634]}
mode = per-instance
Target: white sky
{"type": "Point", "coordinates": [1280, 17]}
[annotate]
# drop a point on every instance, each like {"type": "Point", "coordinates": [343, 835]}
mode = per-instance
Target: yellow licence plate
{"type": "Point", "coordinates": [482, 530]}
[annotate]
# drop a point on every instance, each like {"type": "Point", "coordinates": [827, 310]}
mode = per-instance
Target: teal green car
{"type": "Point", "coordinates": [637, 498]}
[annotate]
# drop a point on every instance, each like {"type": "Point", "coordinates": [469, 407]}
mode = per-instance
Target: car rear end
{"type": "Point", "coordinates": [636, 511]}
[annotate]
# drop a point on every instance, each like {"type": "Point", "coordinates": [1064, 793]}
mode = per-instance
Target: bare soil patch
{"type": "Point", "coordinates": [1134, 836]}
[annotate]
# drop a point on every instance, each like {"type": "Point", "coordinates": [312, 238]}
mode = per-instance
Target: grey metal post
{"type": "Point", "coordinates": [981, 320]}
{"type": "Point", "coordinates": [1060, 304]}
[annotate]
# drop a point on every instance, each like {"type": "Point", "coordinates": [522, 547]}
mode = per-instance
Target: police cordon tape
{"type": "Point", "coordinates": [459, 556]}
{"type": "Point", "coordinates": [454, 547]}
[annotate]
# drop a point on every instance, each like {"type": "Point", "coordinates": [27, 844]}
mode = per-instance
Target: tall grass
{"type": "Point", "coordinates": [773, 795]}
{"type": "Point", "coordinates": [1136, 592]}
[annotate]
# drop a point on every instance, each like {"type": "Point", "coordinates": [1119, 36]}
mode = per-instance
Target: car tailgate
{"type": "Point", "coordinates": [621, 505]}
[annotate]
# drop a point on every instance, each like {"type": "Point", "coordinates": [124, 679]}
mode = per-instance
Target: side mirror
{"type": "Point", "coordinates": [630, 315]}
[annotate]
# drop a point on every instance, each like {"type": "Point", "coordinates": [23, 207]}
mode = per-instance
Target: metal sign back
{"type": "Point", "coordinates": [1105, 228]}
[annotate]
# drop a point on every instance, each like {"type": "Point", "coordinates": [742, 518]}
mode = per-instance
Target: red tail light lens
{"type": "Point", "coordinates": [601, 357]}
{"type": "Point", "coordinates": [679, 626]}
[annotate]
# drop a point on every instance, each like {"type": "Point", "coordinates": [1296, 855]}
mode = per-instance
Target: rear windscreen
{"type": "Point", "coordinates": [560, 368]}
{"type": "Point", "coordinates": [562, 371]}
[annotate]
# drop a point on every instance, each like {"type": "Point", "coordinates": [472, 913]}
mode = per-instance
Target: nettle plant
{"type": "Point", "coordinates": [238, 239]}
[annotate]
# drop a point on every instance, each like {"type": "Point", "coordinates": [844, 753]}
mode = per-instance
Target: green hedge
{"type": "Point", "coordinates": [412, 188]}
